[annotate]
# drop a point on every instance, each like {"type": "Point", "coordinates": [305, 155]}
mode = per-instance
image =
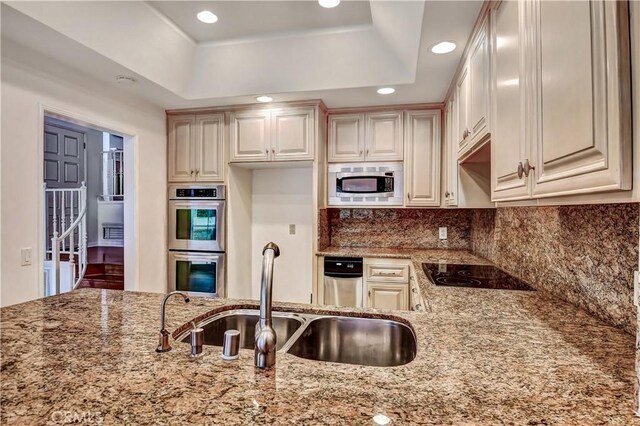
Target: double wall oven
{"type": "Point", "coordinates": [197, 239]}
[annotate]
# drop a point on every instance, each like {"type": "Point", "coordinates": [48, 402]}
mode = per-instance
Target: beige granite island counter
{"type": "Point", "coordinates": [503, 357]}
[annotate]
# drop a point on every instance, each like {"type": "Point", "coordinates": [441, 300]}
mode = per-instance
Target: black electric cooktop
{"type": "Point", "coordinates": [474, 276]}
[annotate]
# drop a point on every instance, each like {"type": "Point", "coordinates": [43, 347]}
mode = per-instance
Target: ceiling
{"type": "Point", "coordinates": [247, 20]}
{"type": "Point", "coordinates": [289, 50]}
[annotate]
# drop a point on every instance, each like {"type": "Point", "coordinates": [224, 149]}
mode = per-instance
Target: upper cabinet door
{"type": "Point", "coordinates": [384, 139]}
{"type": "Point", "coordinates": [180, 152]}
{"type": "Point", "coordinates": [250, 136]}
{"type": "Point", "coordinates": [451, 157]}
{"type": "Point", "coordinates": [582, 137]}
{"type": "Point", "coordinates": [462, 109]}
{"type": "Point", "coordinates": [508, 143]}
{"type": "Point", "coordinates": [422, 158]}
{"type": "Point", "coordinates": [346, 138]}
{"type": "Point", "coordinates": [293, 135]}
{"type": "Point", "coordinates": [209, 147]}
{"type": "Point", "coordinates": [479, 86]}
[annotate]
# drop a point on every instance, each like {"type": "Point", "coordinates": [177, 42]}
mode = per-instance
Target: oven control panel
{"type": "Point", "coordinates": [203, 192]}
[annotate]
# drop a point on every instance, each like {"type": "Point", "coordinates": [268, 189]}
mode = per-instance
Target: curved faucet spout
{"type": "Point", "coordinates": [265, 349]}
{"type": "Point", "coordinates": [163, 345]}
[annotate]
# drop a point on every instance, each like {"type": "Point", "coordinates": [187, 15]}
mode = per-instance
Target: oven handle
{"type": "Point", "coordinates": [215, 204]}
{"type": "Point", "coordinates": [190, 256]}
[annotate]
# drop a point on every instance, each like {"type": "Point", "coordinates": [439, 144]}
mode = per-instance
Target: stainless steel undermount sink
{"type": "Point", "coordinates": [284, 324]}
{"type": "Point", "coordinates": [348, 340]}
{"type": "Point", "coordinates": [360, 341]}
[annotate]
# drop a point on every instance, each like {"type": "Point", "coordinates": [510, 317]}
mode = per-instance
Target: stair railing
{"type": "Point", "coordinates": [67, 224]}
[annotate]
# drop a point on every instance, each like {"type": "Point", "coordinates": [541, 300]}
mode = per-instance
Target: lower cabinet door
{"type": "Point", "coordinates": [388, 296]}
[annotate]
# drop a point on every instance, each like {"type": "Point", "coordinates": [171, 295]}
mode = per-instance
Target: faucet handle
{"type": "Point", "coordinates": [272, 246]}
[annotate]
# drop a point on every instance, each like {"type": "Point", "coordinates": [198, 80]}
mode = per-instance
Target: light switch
{"type": "Point", "coordinates": [292, 229]}
{"type": "Point", "coordinates": [25, 256]}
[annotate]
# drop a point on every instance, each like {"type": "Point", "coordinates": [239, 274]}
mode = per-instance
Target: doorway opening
{"type": "Point", "coordinates": [84, 207]}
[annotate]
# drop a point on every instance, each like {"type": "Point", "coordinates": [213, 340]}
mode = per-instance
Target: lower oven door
{"type": "Point", "coordinates": [198, 274]}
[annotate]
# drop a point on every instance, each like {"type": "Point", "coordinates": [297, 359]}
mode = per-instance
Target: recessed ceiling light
{"type": "Point", "coordinates": [207, 17]}
{"type": "Point", "coordinates": [264, 98]}
{"type": "Point", "coordinates": [386, 90]}
{"type": "Point", "coordinates": [443, 47]}
{"type": "Point", "coordinates": [329, 3]}
{"type": "Point", "coordinates": [125, 79]}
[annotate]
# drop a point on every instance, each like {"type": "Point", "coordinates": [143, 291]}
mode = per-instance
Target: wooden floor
{"type": "Point", "coordinates": [105, 268]}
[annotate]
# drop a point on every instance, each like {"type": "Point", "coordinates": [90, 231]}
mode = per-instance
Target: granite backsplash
{"type": "Point", "coordinates": [396, 228]}
{"type": "Point", "coordinates": [584, 254]}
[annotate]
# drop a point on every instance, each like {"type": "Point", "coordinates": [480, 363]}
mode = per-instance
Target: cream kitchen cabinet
{"type": "Point", "coordinates": [387, 283]}
{"type": "Point", "coordinates": [196, 148]}
{"type": "Point", "coordinates": [450, 156]}
{"type": "Point", "coordinates": [284, 134]}
{"type": "Point", "coordinates": [374, 136]}
{"type": "Point", "coordinates": [392, 297]}
{"type": "Point", "coordinates": [422, 158]}
{"type": "Point", "coordinates": [461, 99]}
{"type": "Point", "coordinates": [472, 94]}
{"type": "Point", "coordinates": [568, 130]}
{"type": "Point", "coordinates": [508, 144]}
{"type": "Point", "coordinates": [479, 81]}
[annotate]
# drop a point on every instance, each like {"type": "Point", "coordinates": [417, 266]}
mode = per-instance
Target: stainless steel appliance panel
{"type": "Point", "coordinates": [198, 274]}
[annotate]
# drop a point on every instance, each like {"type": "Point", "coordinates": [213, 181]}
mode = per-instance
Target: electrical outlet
{"type": "Point", "coordinates": [292, 229]}
{"type": "Point", "coordinates": [442, 231]}
{"type": "Point", "coordinates": [636, 284]}
{"type": "Point", "coordinates": [25, 256]}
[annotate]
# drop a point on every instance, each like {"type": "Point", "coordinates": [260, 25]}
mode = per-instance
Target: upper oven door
{"type": "Point", "coordinates": [196, 225]}
{"type": "Point", "coordinates": [381, 184]}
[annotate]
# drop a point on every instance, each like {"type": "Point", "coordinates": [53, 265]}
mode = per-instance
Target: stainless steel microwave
{"type": "Point", "coordinates": [366, 184]}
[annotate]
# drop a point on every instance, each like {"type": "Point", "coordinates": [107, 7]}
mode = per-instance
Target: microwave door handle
{"type": "Point", "coordinates": [194, 256]}
{"type": "Point", "coordinates": [211, 204]}
{"type": "Point", "coordinates": [362, 174]}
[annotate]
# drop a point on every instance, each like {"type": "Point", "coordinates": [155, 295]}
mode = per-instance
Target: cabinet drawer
{"type": "Point", "coordinates": [388, 273]}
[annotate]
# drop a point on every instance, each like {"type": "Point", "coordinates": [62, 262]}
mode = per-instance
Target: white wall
{"type": "Point", "coordinates": [282, 197]}
{"type": "Point", "coordinates": [24, 92]}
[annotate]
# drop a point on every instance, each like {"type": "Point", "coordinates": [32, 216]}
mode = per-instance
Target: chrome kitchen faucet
{"type": "Point", "coordinates": [265, 349]}
{"type": "Point", "coordinates": [163, 345]}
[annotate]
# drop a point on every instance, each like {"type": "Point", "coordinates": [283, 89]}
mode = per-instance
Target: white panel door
{"type": "Point", "coordinates": [250, 134]}
{"type": "Point", "coordinates": [383, 136]}
{"type": "Point", "coordinates": [422, 158]}
{"type": "Point", "coordinates": [392, 297]}
{"type": "Point", "coordinates": [209, 148]}
{"type": "Point", "coordinates": [508, 143]}
{"type": "Point", "coordinates": [451, 157]}
{"type": "Point", "coordinates": [293, 137]}
{"type": "Point", "coordinates": [582, 136]}
{"type": "Point", "coordinates": [180, 152]}
{"type": "Point", "coordinates": [346, 138]}
{"type": "Point", "coordinates": [479, 86]}
{"type": "Point", "coordinates": [462, 109]}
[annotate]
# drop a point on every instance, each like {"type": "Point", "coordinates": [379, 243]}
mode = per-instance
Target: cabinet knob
{"type": "Point", "coordinates": [446, 194]}
{"type": "Point", "coordinates": [520, 170]}
{"type": "Point", "coordinates": [367, 153]}
{"type": "Point", "coordinates": [197, 171]}
{"type": "Point", "coordinates": [527, 167]}
{"type": "Point", "coordinates": [273, 151]}
{"type": "Point", "coordinates": [191, 171]}
{"type": "Point", "coordinates": [409, 196]}
{"type": "Point", "coordinates": [360, 152]}
{"type": "Point", "coordinates": [266, 151]}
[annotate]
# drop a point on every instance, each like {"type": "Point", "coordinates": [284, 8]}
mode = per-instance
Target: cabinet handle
{"type": "Point", "coordinates": [446, 194]}
{"type": "Point", "coordinates": [273, 151]}
{"type": "Point", "coordinates": [360, 153]}
{"type": "Point", "coordinates": [520, 170]}
{"type": "Point", "coordinates": [527, 167]}
{"type": "Point", "coordinates": [197, 171]}
{"type": "Point", "coordinates": [267, 151]}
{"type": "Point", "coordinates": [409, 196]}
{"type": "Point", "coordinates": [191, 171]}
{"type": "Point", "coordinates": [367, 153]}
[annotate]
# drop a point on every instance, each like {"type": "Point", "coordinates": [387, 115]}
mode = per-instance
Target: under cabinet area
{"type": "Point", "coordinates": [281, 134]}
{"type": "Point", "coordinates": [374, 136]}
{"type": "Point", "coordinates": [196, 148]}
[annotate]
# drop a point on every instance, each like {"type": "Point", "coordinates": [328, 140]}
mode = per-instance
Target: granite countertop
{"type": "Point", "coordinates": [484, 357]}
